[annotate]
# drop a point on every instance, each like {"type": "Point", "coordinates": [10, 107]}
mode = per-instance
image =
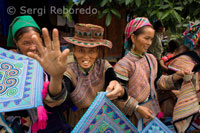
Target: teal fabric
{"type": "Point", "coordinates": [104, 116]}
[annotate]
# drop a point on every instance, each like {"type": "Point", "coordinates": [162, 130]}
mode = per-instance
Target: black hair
{"type": "Point", "coordinates": [23, 30]}
{"type": "Point", "coordinates": [141, 30]}
{"type": "Point", "coordinates": [157, 25]}
{"type": "Point", "coordinates": [182, 48]}
{"type": "Point", "coordinates": [173, 45]}
{"type": "Point", "coordinates": [137, 33]}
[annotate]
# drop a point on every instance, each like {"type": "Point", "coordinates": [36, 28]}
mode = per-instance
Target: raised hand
{"type": "Point", "coordinates": [53, 61]}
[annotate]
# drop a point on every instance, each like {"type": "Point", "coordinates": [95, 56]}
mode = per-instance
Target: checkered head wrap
{"type": "Point", "coordinates": [133, 26]}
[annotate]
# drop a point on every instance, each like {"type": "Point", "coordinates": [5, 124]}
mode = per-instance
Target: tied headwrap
{"type": "Point", "coordinates": [132, 26]}
{"type": "Point", "coordinates": [191, 35]}
{"type": "Point", "coordinates": [18, 23]}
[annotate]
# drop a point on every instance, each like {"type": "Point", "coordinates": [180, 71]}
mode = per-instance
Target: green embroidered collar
{"type": "Point", "coordinates": [136, 54]}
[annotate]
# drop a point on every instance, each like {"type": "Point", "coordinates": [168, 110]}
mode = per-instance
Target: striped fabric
{"type": "Point", "coordinates": [166, 83]}
{"type": "Point", "coordinates": [183, 63]}
{"type": "Point", "coordinates": [187, 104]}
{"type": "Point", "coordinates": [134, 25]}
{"type": "Point", "coordinates": [136, 71]}
{"type": "Point", "coordinates": [91, 84]}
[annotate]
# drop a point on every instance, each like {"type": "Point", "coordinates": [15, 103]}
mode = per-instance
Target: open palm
{"type": "Point", "coordinates": [53, 61]}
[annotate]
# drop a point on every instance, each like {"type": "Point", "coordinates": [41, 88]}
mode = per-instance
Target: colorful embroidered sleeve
{"type": "Point", "coordinates": [166, 82]}
{"type": "Point", "coordinates": [58, 99]}
{"type": "Point", "coordinates": [127, 107]}
{"type": "Point", "coordinates": [67, 86]}
{"type": "Point", "coordinates": [122, 70]}
{"type": "Point", "coordinates": [181, 63]}
{"type": "Point", "coordinates": [165, 58]}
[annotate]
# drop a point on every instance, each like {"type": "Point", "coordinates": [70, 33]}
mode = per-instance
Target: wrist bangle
{"type": "Point", "coordinates": [136, 107]}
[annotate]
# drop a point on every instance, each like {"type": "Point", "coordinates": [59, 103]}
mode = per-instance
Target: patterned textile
{"type": "Point", "coordinates": [87, 87]}
{"type": "Point", "coordinates": [91, 83]}
{"type": "Point", "coordinates": [169, 123]}
{"type": "Point", "coordinates": [187, 104]}
{"type": "Point", "coordinates": [88, 35]}
{"type": "Point", "coordinates": [104, 116]}
{"type": "Point", "coordinates": [156, 126]}
{"type": "Point", "coordinates": [136, 71]}
{"type": "Point", "coordinates": [192, 34]}
{"type": "Point", "coordinates": [134, 25]}
{"type": "Point", "coordinates": [19, 87]}
{"type": "Point", "coordinates": [166, 58]}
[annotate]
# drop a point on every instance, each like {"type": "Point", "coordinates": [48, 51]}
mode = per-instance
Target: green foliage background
{"type": "Point", "coordinates": [175, 14]}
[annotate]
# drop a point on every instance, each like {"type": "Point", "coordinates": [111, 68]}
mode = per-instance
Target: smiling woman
{"type": "Point", "coordinates": [85, 56]}
{"type": "Point", "coordinates": [82, 79]}
{"type": "Point", "coordinates": [20, 35]}
{"type": "Point", "coordinates": [137, 70]}
{"type": "Point", "coordinates": [20, 32]}
{"type": "Point", "coordinates": [24, 42]}
{"type": "Point", "coordinates": [142, 40]}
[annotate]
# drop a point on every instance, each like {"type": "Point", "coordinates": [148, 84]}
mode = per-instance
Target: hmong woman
{"type": "Point", "coordinates": [20, 32]}
{"type": "Point", "coordinates": [83, 79]}
{"type": "Point", "coordinates": [185, 81]}
{"type": "Point", "coordinates": [138, 71]}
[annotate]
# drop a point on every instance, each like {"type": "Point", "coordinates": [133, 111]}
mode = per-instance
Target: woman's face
{"type": "Point", "coordinates": [85, 56]}
{"type": "Point", "coordinates": [144, 40]}
{"type": "Point", "coordinates": [25, 44]}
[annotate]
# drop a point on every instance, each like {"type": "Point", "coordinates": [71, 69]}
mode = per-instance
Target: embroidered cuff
{"type": "Point", "coordinates": [136, 107]}
{"type": "Point", "coordinates": [61, 95]}
{"type": "Point", "coordinates": [130, 106]}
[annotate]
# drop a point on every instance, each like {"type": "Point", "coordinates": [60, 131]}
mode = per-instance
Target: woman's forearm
{"type": "Point", "coordinates": [55, 86]}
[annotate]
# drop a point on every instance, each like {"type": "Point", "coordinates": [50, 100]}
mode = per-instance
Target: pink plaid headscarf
{"type": "Point", "coordinates": [134, 25]}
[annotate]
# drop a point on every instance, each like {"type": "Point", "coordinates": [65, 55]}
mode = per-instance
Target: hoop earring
{"type": "Point", "coordinates": [133, 46]}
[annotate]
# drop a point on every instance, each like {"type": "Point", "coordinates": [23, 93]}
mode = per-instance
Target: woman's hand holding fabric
{"type": "Point", "coordinates": [145, 112]}
{"type": "Point", "coordinates": [180, 74]}
{"type": "Point", "coordinates": [115, 90]}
